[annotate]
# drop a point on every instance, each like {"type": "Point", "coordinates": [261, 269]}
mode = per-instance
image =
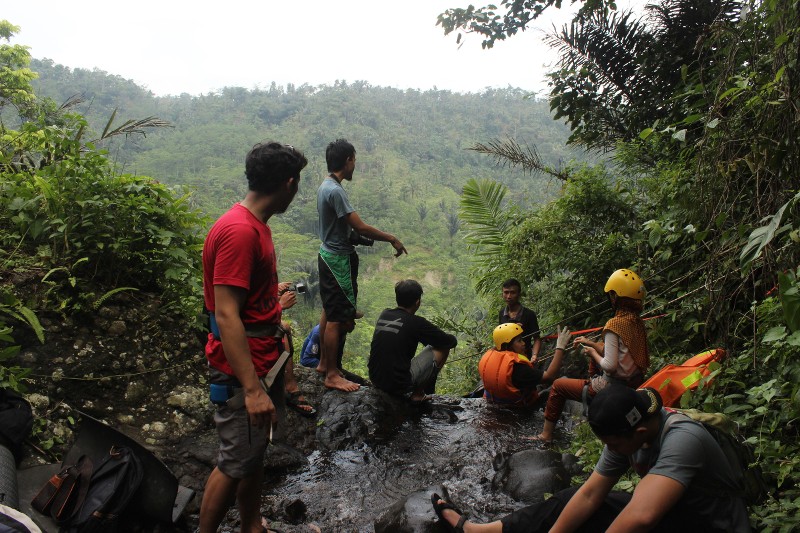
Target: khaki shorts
{"type": "Point", "coordinates": [423, 371]}
{"type": "Point", "coordinates": [242, 445]}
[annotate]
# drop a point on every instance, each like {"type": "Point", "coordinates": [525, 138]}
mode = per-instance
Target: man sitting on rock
{"type": "Point", "coordinates": [687, 484]}
{"type": "Point", "coordinates": [392, 365]}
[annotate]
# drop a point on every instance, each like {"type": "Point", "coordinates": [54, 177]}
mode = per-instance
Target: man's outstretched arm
{"type": "Point", "coordinates": [365, 229]}
{"type": "Point", "coordinates": [584, 503]}
{"type": "Point", "coordinates": [654, 496]}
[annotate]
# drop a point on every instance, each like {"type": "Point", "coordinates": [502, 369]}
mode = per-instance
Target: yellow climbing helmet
{"type": "Point", "coordinates": [505, 333]}
{"type": "Point", "coordinates": [626, 283]}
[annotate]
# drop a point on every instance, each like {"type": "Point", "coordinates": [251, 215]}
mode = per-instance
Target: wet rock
{"type": "Point", "coordinates": [348, 419]}
{"type": "Point", "coordinates": [571, 464]}
{"type": "Point", "coordinates": [295, 510]}
{"type": "Point", "coordinates": [282, 456]}
{"type": "Point", "coordinates": [573, 408]}
{"type": "Point", "coordinates": [412, 514]}
{"type": "Point", "coordinates": [530, 474]}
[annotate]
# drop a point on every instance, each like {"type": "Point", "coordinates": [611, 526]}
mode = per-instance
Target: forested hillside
{"type": "Point", "coordinates": [413, 162]}
{"type": "Point", "coordinates": [696, 101]}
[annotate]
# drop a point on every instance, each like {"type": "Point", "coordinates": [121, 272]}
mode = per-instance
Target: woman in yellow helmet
{"type": "Point", "coordinates": [621, 356]}
{"type": "Point", "coordinates": [508, 376]}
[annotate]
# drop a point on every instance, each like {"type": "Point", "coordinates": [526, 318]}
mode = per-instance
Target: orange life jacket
{"type": "Point", "coordinates": [495, 368]}
{"type": "Point", "coordinates": [674, 380]}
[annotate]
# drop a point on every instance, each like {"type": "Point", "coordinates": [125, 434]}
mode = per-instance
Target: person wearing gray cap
{"type": "Point", "coordinates": [686, 482]}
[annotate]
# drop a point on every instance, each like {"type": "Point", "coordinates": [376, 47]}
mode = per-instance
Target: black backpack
{"type": "Point", "coordinates": [83, 499]}
{"type": "Point", "coordinates": [16, 421]}
{"type": "Point", "coordinates": [754, 489]}
{"type": "Point", "coordinates": [111, 488]}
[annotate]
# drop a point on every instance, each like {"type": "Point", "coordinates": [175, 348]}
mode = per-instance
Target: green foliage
{"type": "Point", "coordinates": [12, 307]}
{"type": "Point", "coordinates": [703, 118]}
{"type": "Point", "coordinates": [473, 328]}
{"type": "Point", "coordinates": [15, 76]}
{"type": "Point", "coordinates": [488, 219]}
{"type": "Point", "coordinates": [63, 204]}
{"type": "Point", "coordinates": [616, 70]}
{"type": "Point", "coordinates": [565, 251]}
{"type": "Point", "coordinates": [762, 236]}
{"type": "Point", "coordinates": [12, 376]}
{"type": "Point", "coordinates": [496, 24]}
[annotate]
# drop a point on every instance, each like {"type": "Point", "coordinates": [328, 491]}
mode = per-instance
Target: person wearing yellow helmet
{"type": "Point", "coordinates": [621, 356]}
{"type": "Point", "coordinates": [509, 377]}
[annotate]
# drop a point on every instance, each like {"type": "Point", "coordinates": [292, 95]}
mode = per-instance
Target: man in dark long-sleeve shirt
{"type": "Point", "coordinates": [392, 365]}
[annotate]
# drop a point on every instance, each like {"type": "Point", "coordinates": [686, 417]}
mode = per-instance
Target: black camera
{"type": "Point", "coordinates": [356, 239]}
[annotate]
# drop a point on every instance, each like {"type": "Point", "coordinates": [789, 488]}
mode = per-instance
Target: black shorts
{"type": "Point", "coordinates": [541, 516]}
{"type": "Point", "coordinates": [338, 285]}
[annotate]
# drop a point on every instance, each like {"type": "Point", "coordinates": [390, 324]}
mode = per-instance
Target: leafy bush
{"type": "Point", "coordinates": [62, 202]}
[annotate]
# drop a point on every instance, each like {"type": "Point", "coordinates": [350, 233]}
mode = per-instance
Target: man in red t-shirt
{"type": "Point", "coordinates": [240, 288]}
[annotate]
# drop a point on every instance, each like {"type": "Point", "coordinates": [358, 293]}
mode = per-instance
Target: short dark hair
{"type": "Point", "coordinates": [270, 164]}
{"type": "Point", "coordinates": [337, 153]}
{"type": "Point", "coordinates": [511, 282]}
{"type": "Point", "coordinates": [407, 292]}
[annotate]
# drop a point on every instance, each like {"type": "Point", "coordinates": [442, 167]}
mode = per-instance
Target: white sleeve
{"type": "Point", "coordinates": [610, 360]}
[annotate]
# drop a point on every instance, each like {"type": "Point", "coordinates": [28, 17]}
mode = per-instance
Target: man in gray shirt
{"type": "Point", "coordinates": [338, 260]}
{"type": "Point", "coordinates": [686, 485]}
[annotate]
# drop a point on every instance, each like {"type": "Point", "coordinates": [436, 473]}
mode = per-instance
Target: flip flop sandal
{"type": "Point", "coordinates": [302, 407]}
{"type": "Point", "coordinates": [425, 400]}
{"type": "Point", "coordinates": [439, 510]}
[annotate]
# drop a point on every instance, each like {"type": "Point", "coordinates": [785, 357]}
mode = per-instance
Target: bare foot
{"type": "Point", "coordinates": [541, 437]}
{"type": "Point", "coordinates": [335, 381]}
{"type": "Point", "coordinates": [324, 372]}
{"type": "Point", "coordinates": [264, 526]}
{"type": "Point", "coordinates": [447, 512]}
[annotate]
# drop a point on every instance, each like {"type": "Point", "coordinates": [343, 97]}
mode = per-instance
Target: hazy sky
{"type": "Point", "coordinates": [174, 46]}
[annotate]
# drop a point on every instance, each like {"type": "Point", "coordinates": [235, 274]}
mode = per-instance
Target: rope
{"type": "Point", "coordinates": [128, 375]}
{"type": "Point", "coordinates": [551, 354]}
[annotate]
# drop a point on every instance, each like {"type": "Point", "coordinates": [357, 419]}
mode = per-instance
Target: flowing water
{"type": "Point", "coordinates": [454, 442]}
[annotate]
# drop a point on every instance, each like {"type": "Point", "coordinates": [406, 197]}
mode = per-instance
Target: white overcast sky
{"type": "Point", "coordinates": [175, 46]}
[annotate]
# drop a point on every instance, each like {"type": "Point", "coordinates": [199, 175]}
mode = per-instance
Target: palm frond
{"type": "Point", "coordinates": [486, 215]}
{"type": "Point", "coordinates": [510, 153]}
{"type": "Point", "coordinates": [72, 101]}
{"type": "Point", "coordinates": [132, 127]}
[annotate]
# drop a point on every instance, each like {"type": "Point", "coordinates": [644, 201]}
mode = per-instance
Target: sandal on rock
{"type": "Point", "coordinates": [302, 407]}
{"type": "Point", "coordinates": [425, 400]}
{"type": "Point", "coordinates": [439, 508]}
